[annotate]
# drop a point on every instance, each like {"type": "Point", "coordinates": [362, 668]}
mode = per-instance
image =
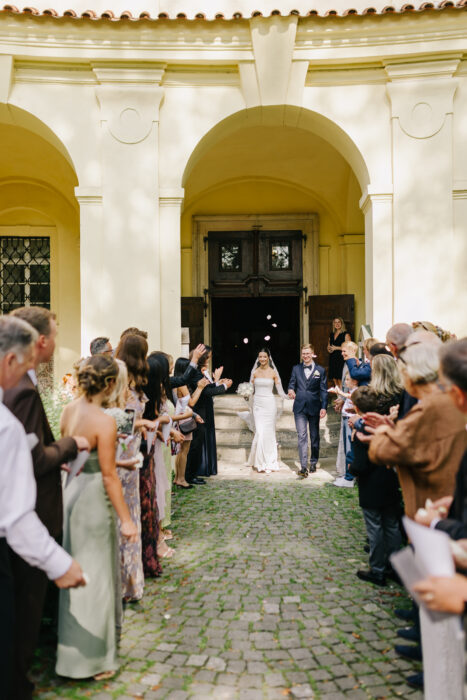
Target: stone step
{"type": "Point", "coordinates": [239, 454]}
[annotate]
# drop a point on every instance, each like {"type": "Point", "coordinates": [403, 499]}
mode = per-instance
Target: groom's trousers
{"type": "Point", "coordinates": [303, 422]}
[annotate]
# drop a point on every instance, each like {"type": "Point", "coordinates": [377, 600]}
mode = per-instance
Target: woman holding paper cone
{"type": "Point", "coordinates": [87, 639]}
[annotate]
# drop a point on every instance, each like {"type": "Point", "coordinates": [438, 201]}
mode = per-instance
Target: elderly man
{"type": "Point", "coordinates": [101, 346]}
{"type": "Point", "coordinates": [20, 527]}
{"type": "Point", "coordinates": [48, 455]}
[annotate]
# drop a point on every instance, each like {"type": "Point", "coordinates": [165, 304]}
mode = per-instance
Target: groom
{"type": "Point", "coordinates": [309, 389]}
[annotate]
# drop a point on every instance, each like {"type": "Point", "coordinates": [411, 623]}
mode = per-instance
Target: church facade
{"type": "Point", "coordinates": [243, 170]}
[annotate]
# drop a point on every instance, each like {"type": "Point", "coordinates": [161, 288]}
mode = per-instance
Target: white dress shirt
{"type": "Point", "coordinates": [19, 522]}
{"type": "Point", "coordinates": [309, 370]}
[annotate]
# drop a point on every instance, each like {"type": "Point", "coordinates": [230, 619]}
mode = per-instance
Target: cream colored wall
{"type": "Point", "coordinates": [36, 198]}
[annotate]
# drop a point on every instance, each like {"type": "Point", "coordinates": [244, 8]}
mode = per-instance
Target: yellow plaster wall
{"type": "Point", "coordinates": [283, 171]}
{"type": "Point", "coordinates": [36, 198]}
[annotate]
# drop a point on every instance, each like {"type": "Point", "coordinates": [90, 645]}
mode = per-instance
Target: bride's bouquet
{"type": "Point", "coordinates": [245, 389]}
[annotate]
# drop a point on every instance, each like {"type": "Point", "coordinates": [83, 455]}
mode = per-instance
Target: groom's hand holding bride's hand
{"type": "Point", "coordinates": [322, 413]}
{"type": "Point", "coordinates": [291, 394]}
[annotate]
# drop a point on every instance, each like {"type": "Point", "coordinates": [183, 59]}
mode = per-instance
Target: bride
{"type": "Point", "coordinates": [264, 376]}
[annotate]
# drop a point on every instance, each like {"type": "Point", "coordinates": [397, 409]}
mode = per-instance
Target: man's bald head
{"type": "Point", "coordinates": [397, 337]}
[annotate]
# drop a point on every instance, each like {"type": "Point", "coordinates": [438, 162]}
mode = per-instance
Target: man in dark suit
{"type": "Point", "coordinates": [309, 388]}
{"type": "Point", "coordinates": [30, 583]}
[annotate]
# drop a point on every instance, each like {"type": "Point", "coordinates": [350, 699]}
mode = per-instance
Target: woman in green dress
{"type": "Point", "coordinates": [87, 637]}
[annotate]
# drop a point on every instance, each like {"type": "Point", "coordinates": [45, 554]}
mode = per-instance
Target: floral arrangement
{"type": "Point", "coordinates": [245, 389]}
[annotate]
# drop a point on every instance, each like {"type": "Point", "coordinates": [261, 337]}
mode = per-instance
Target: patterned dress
{"type": "Point", "coordinates": [131, 558]}
{"type": "Point", "coordinates": [149, 515]}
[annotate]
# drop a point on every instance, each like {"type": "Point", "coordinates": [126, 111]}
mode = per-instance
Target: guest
{"type": "Point", "coordinates": [447, 513]}
{"type": "Point", "coordinates": [183, 400]}
{"type": "Point", "coordinates": [132, 350]}
{"type": "Point", "coordinates": [195, 451]}
{"type": "Point", "coordinates": [157, 408]}
{"type": "Point", "coordinates": [87, 643]}
{"type": "Point", "coordinates": [386, 382]}
{"type": "Point", "coordinates": [20, 527]}
{"type": "Point", "coordinates": [337, 336]}
{"type": "Point", "coordinates": [205, 408]}
{"type": "Point", "coordinates": [427, 445]}
{"type": "Point", "coordinates": [347, 479]}
{"type": "Point", "coordinates": [357, 369]}
{"type": "Point", "coordinates": [25, 403]}
{"type": "Point", "coordinates": [100, 346]}
{"type": "Point", "coordinates": [378, 492]}
{"type": "Point", "coordinates": [396, 339]}
{"type": "Point", "coordinates": [351, 348]}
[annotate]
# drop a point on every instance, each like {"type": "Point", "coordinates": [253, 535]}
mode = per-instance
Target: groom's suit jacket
{"type": "Point", "coordinates": [25, 403]}
{"type": "Point", "coordinates": [311, 395]}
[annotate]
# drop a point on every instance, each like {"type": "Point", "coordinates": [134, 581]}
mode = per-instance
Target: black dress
{"type": "Point", "coordinates": [336, 361]}
{"type": "Point", "coordinates": [202, 457]}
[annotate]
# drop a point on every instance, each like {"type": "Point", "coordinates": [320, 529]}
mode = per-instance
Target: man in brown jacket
{"type": "Point", "coordinates": [48, 455]}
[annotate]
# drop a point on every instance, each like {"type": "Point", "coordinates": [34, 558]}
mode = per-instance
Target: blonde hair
{"type": "Point", "coordinates": [307, 346]}
{"type": "Point", "coordinates": [350, 345]}
{"type": "Point", "coordinates": [118, 396]}
{"type": "Point", "coordinates": [385, 376]}
{"type": "Point", "coordinates": [369, 342]}
{"type": "Point", "coordinates": [343, 326]}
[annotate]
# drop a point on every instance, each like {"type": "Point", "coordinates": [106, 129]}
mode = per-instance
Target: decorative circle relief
{"type": "Point", "coordinates": [422, 121]}
{"type": "Point", "coordinates": [130, 126]}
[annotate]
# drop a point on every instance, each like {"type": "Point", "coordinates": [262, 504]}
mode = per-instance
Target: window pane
{"type": "Point", "coordinates": [39, 273]}
{"type": "Point", "coordinates": [280, 256]}
{"type": "Point", "coordinates": [24, 272]}
{"type": "Point", "coordinates": [230, 257]}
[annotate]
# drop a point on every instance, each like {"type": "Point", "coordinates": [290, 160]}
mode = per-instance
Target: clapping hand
{"type": "Point", "coordinates": [376, 420]}
{"type": "Point", "coordinates": [227, 383]}
{"type": "Point", "coordinates": [432, 510]}
{"type": "Point", "coordinates": [197, 352]}
{"type": "Point", "coordinates": [202, 383]}
{"type": "Point", "coordinates": [217, 374]}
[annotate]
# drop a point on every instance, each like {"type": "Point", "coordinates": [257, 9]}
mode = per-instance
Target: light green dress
{"type": "Point", "coordinates": [89, 616]}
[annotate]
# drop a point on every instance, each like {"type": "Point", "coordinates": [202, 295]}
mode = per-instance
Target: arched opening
{"type": "Point", "coordinates": [39, 227]}
{"type": "Point", "coordinates": [253, 186]}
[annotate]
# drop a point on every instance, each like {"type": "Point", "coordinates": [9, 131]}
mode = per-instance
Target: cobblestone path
{"type": "Point", "coordinates": [260, 601]}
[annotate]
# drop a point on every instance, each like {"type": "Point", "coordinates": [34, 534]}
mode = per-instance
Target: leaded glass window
{"type": "Point", "coordinates": [230, 257]}
{"type": "Point", "coordinates": [24, 272]}
{"type": "Point", "coordinates": [280, 256]}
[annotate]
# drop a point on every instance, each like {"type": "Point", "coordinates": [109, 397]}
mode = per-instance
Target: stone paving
{"type": "Point", "coordinates": [260, 602]}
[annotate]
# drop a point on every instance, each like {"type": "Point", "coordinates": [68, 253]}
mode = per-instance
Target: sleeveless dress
{"type": "Point", "coordinates": [263, 455]}
{"type": "Point", "coordinates": [336, 361]}
{"type": "Point", "coordinates": [89, 616]}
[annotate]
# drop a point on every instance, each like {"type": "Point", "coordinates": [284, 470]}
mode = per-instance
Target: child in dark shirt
{"type": "Point", "coordinates": [378, 496]}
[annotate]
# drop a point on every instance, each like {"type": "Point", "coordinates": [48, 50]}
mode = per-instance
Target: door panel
{"type": "Point", "coordinates": [255, 263]}
{"type": "Point", "coordinates": [193, 318]}
{"type": "Point", "coordinates": [322, 310]}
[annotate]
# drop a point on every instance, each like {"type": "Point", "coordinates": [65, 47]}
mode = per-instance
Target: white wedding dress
{"type": "Point", "coordinates": [263, 455]}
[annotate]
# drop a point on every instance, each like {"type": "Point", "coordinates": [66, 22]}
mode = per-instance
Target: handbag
{"type": "Point", "coordinates": [187, 426]}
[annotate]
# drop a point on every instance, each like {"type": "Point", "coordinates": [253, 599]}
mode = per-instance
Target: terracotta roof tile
{"type": "Point", "coordinates": [109, 15]}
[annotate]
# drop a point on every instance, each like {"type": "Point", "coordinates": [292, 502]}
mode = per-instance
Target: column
{"type": "Point", "coordinates": [460, 258]}
{"type": "Point", "coordinates": [129, 99]}
{"type": "Point", "coordinates": [376, 205]}
{"type": "Point", "coordinates": [93, 313]}
{"type": "Point", "coordinates": [170, 203]}
{"type": "Point", "coordinates": [353, 273]}
{"type": "Point", "coordinates": [422, 96]}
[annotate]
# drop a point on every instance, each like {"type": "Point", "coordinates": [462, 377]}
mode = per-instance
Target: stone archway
{"type": "Point", "coordinates": [37, 203]}
{"type": "Point", "coordinates": [281, 161]}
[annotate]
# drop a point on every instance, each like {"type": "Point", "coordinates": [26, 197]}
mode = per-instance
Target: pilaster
{"type": "Point", "coordinates": [129, 100]}
{"type": "Point", "coordinates": [170, 204]}
{"type": "Point", "coordinates": [422, 104]}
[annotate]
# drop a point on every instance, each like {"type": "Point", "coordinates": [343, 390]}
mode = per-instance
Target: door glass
{"type": "Point", "coordinates": [230, 257]}
{"type": "Point", "coordinates": [280, 256]}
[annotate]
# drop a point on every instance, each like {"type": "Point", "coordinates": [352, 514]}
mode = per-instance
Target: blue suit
{"type": "Point", "coordinates": [311, 395]}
